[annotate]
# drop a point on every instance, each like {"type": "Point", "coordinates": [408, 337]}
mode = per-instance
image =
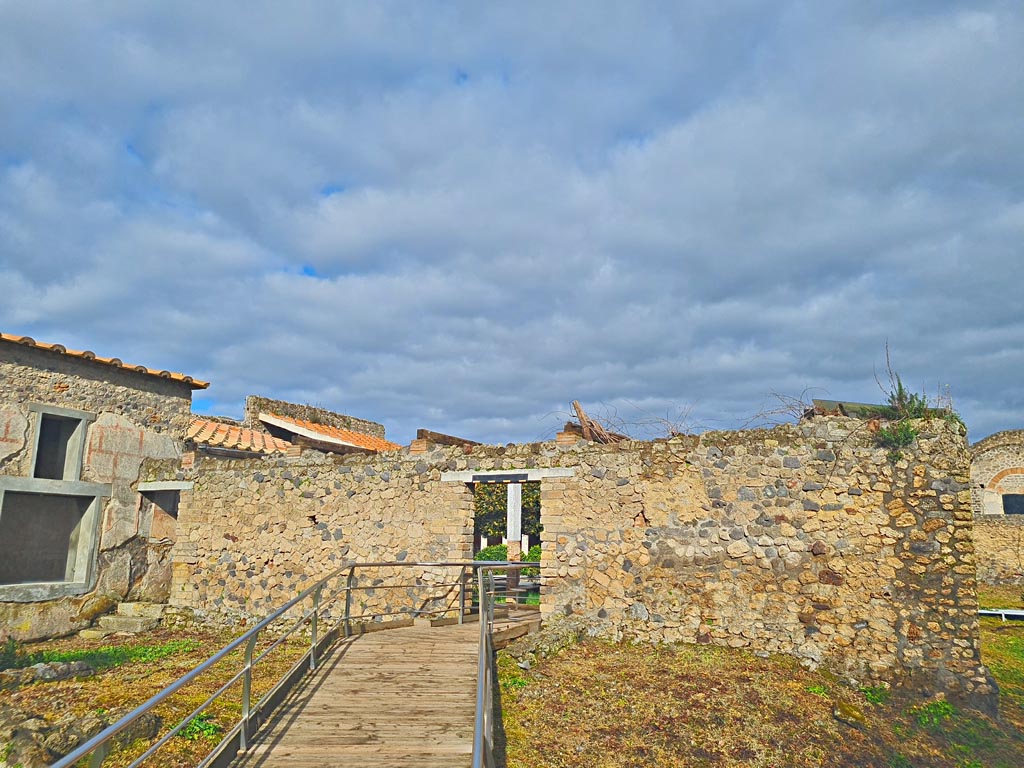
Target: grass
{"type": "Point", "coordinates": [612, 706]}
{"type": "Point", "coordinates": [133, 671]}
{"type": "Point", "coordinates": [1000, 596]}
{"type": "Point", "coordinates": [107, 656]}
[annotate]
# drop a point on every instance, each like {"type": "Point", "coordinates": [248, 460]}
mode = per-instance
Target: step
{"type": "Point", "coordinates": [141, 610]}
{"type": "Point", "coordinates": [132, 624]}
{"type": "Point", "coordinates": [95, 633]}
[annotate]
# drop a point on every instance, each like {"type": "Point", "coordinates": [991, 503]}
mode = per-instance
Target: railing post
{"type": "Point", "coordinates": [243, 732]}
{"type": "Point", "coordinates": [313, 625]}
{"type": "Point", "coordinates": [99, 755]}
{"type": "Point", "coordinates": [462, 593]}
{"type": "Point", "coordinates": [348, 600]}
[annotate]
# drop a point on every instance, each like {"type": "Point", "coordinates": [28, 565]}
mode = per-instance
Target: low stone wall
{"type": "Point", "coordinates": [802, 540]}
{"type": "Point", "coordinates": [999, 541]}
{"type": "Point", "coordinates": [255, 532]}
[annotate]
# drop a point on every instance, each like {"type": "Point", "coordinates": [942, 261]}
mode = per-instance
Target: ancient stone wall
{"type": "Point", "coordinates": [134, 417]}
{"type": "Point", "coordinates": [802, 540]}
{"type": "Point", "coordinates": [999, 542]}
{"type": "Point", "coordinates": [997, 467]}
{"type": "Point", "coordinates": [255, 532]}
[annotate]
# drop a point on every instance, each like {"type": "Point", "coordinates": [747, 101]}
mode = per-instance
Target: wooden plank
{"type": "Point", "coordinates": [439, 438]}
{"type": "Point", "coordinates": [406, 697]}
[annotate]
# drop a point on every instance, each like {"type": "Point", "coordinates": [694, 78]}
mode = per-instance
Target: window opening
{"type": "Point", "coordinates": [57, 447]}
{"type": "Point", "coordinates": [42, 538]}
{"type": "Point", "coordinates": [1013, 503]}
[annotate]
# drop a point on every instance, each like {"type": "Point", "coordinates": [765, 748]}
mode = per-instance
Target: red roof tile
{"type": "Point", "coordinates": [111, 361]}
{"type": "Point", "coordinates": [219, 435]}
{"type": "Point", "coordinates": [329, 434]}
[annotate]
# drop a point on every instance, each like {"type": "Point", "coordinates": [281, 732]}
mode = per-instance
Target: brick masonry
{"type": "Point", "coordinates": [802, 540]}
{"type": "Point", "coordinates": [137, 417]}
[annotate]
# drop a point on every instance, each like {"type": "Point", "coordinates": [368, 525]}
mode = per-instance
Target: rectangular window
{"type": "Point", "coordinates": [60, 441]}
{"type": "Point", "coordinates": [56, 437]}
{"type": "Point", "coordinates": [49, 521]}
{"type": "Point", "coordinates": [1013, 503]}
{"type": "Point", "coordinates": [42, 537]}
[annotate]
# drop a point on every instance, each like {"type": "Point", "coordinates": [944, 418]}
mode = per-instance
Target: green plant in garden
{"type": "Point", "coordinates": [490, 501]}
{"type": "Point", "coordinates": [933, 714]}
{"type": "Point", "coordinates": [98, 658]}
{"type": "Point", "coordinates": [876, 694]}
{"type": "Point", "coordinates": [202, 726]}
{"type": "Point", "coordinates": [11, 654]}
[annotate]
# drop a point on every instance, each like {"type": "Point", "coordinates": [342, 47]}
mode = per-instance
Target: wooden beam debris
{"type": "Point", "coordinates": [425, 438]}
{"type": "Point", "coordinates": [590, 429]}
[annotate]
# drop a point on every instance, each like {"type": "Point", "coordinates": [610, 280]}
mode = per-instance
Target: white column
{"type": "Point", "coordinates": [514, 516]}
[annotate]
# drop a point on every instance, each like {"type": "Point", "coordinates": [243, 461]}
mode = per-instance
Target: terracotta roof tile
{"type": "Point", "coordinates": [237, 438]}
{"type": "Point", "coordinates": [331, 434]}
{"type": "Point", "coordinates": [111, 361]}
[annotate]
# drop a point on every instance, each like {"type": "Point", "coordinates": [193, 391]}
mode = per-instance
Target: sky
{"type": "Point", "coordinates": [462, 216]}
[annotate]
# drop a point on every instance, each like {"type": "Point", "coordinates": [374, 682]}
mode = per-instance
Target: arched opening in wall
{"type": "Point", "coordinates": [1013, 503]}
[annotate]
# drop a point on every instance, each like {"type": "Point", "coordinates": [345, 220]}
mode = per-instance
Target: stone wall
{"type": "Point", "coordinates": [255, 405]}
{"type": "Point", "coordinates": [999, 541]}
{"type": "Point", "coordinates": [137, 416]}
{"type": "Point", "coordinates": [997, 467]}
{"type": "Point", "coordinates": [802, 540]}
{"type": "Point", "coordinates": [254, 532]}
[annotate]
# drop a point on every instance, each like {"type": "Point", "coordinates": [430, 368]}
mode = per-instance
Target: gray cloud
{"type": "Point", "coordinates": [463, 217]}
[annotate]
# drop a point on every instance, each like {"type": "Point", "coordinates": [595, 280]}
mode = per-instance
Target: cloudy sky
{"type": "Point", "coordinates": [463, 216]}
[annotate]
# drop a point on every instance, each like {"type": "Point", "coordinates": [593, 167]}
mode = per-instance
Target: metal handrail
{"type": "Point", "coordinates": [98, 747]}
{"type": "Point", "coordinates": [483, 720]}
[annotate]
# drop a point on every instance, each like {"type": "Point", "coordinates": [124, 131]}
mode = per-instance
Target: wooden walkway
{"type": "Point", "coordinates": [400, 698]}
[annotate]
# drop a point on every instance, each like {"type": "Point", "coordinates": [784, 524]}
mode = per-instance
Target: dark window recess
{"type": "Point", "coordinates": [165, 501]}
{"type": "Point", "coordinates": [1013, 503]}
{"type": "Point", "coordinates": [56, 435]}
{"type": "Point", "coordinates": [39, 536]}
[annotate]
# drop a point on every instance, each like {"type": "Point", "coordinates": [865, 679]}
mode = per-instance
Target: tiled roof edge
{"type": "Point", "coordinates": [113, 362]}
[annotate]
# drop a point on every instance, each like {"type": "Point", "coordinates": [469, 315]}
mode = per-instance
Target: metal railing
{"type": "Point", "coordinates": [489, 593]}
{"type": "Point", "coordinates": [322, 596]}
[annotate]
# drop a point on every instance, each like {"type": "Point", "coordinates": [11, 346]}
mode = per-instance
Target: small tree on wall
{"type": "Point", "coordinates": [491, 505]}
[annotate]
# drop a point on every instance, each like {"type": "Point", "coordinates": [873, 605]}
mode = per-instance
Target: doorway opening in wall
{"type": "Point", "coordinates": [1013, 503]}
{"type": "Point", "coordinates": [44, 538]}
{"type": "Point", "coordinates": [490, 505]}
{"type": "Point", "coordinates": [492, 524]}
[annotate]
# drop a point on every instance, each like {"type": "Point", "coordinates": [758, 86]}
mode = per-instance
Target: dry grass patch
{"type": "Point", "coordinates": [137, 675]}
{"type": "Point", "coordinates": [1000, 596]}
{"type": "Point", "coordinates": [612, 706]}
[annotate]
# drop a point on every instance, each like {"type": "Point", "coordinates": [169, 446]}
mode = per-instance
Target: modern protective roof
{"type": "Point", "coordinates": [238, 438]}
{"type": "Point", "coordinates": [113, 362]}
{"type": "Point", "coordinates": [328, 434]}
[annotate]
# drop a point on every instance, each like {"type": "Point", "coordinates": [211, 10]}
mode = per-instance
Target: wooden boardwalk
{"type": "Point", "coordinates": [400, 698]}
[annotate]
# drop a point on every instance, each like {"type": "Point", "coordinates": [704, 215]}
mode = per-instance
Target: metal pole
{"type": "Point", "coordinates": [243, 735]}
{"type": "Point", "coordinates": [99, 755]}
{"type": "Point", "coordinates": [462, 593]}
{"type": "Point", "coordinates": [312, 645]}
{"type": "Point", "coordinates": [348, 600]}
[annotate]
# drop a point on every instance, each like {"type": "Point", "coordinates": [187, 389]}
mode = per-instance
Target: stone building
{"type": "Point", "coordinates": [997, 499]}
{"type": "Point", "coordinates": [997, 474]}
{"type": "Point", "coordinates": [80, 530]}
